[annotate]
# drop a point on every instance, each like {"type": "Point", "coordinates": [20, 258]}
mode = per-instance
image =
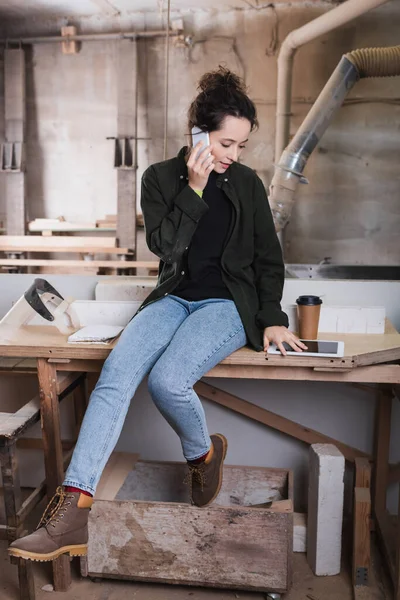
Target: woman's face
{"type": "Point", "coordinates": [228, 142]}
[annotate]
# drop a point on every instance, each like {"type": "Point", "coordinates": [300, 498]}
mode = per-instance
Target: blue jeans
{"type": "Point", "coordinates": [176, 342]}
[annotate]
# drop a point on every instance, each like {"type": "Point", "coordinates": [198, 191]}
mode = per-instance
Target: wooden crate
{"type": "Point", "coordinates": [150, 532]}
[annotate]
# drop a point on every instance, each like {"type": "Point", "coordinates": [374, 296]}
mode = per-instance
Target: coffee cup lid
{"type": "Point", "coordinates": [309, 300]}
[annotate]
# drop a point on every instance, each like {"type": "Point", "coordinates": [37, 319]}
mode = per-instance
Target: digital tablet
{"type": "Point", "coordinates": [324, 348]}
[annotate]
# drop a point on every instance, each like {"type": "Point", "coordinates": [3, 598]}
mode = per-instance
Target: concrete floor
{"type": "Point", "coordinates": [305, 586]}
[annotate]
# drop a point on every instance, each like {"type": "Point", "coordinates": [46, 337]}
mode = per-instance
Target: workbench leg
{"type": "Point", "coordinates": [11, 488]}
{"type": "Point", "coordinates": [80, 404]}
{"type": "Point", "coordinates": [53, 456]}
{"type": "Point", "coordinates": [25, 579]}
{"type": "Point", "coordinates": [381, 477]}
{"type": "Point", "coordinates": [382, 446]}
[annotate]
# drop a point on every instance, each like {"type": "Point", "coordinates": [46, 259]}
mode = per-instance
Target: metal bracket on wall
{"type": "Point", "coordinates": [12, 156]}
{"type": "Point", "coordinates": [361, 576]}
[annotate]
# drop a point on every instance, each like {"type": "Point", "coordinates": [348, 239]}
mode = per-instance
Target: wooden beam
{"type": "Point", "coordinates": [50, 421]}
{"type": "Point", "coordinates": [26, 580]}
{"type": "Point", "coordinates": [300, 432]}
{"type": "Point", "coordinates": [382, 447]}
{"type": "Point", "coordinates": [361, 536]}
{"type": "Point", "coordinates": [37, 444]}
{"type": "Point", "coordinates": [78, 264]}
{"type": "Point", "coordinates": [363, 472]}
{"type": "Point", "coordinates": [11, 485]}
{"type": "Point", "coordinates": [382, 373]}
{"type": "Point", "coordinates": [66, 379]}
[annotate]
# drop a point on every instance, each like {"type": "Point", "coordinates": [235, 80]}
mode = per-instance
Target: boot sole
{"type": "Point", "coordinates": [221, 467]}
{"type": "Point", "coordinates": [79, 550]}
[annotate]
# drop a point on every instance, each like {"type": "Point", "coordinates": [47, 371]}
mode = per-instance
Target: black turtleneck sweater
{"type": "Point", "coordinates": [203, 277]}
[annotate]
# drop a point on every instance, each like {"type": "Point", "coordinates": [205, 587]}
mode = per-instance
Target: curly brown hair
{"type": "Point", "coordinates": [222, 93]}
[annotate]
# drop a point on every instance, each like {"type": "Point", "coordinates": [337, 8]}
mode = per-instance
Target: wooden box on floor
{"type": "Point", "coordinates": [150, 532]}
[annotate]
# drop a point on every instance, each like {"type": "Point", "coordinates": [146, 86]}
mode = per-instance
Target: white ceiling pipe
{"type": "Point", "coordinates": [90, 37]}
{"type": "Point", "coordinates": [298, 37]}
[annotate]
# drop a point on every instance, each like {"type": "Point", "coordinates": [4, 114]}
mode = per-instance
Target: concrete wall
{"type": "Point", "coordinates": [349, 212]}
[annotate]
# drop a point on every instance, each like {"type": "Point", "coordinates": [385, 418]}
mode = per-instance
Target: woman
{"type": "Point", "coordinates": [220, 285]}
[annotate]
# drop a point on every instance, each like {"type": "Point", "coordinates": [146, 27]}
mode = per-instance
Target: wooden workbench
{"type": "Point", "coordinates": [369, 359]}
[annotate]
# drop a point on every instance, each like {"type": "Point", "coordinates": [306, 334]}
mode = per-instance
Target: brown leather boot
{"type": "Point", "coordinates": [206, 477]}
{"type": "Point", "coordinates": [62, 529]}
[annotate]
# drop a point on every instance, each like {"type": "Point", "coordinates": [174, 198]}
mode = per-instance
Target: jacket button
{"type": "Point", "coordinates": [225, 180]}
{"type": "Point", "coordinates": [166, 294]}
{"type": "Point", "coordinates": [187, 248]}
{"type": "Point", "coordinates": [182, 272]}
{"type": "Point", "coordinates": [181, 177]}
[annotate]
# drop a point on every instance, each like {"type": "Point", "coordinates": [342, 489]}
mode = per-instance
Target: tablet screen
{"type": "Point", "coordinates": [316, 347]}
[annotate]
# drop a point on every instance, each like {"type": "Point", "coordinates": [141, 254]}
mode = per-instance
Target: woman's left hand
{"type": "Point", "coordinates": [277, 335]}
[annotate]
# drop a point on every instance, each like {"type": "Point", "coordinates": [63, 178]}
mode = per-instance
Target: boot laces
{"type": "Point", "coordinates": [196, 474]}
{"type": "Point", "coordinates": [55, 509]}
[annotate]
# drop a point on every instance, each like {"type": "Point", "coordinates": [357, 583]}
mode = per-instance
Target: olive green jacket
{"type": "Point", "coordinates": [252, 264]}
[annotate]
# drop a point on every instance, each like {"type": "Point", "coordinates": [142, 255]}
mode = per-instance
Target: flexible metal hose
{"type": "Point", "coordinates": [356, 65]}
{"type": "Point", "coordinates": [376, 62]}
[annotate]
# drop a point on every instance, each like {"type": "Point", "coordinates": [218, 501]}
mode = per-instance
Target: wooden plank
{"type": "Point", "coordinates": [370, 374]}
{"type": "Point", "coordinates": [76, 249]}
{"type": "Point", "coordinates": [363, 473]}
{"type": "Point", "coordinates": [114, 474]}
{"type": "Point", "coordinates": [361, 536]}
{"type": "Point", "coordinates": [78, 264]}
{"type": "Point", "coordinates": [300, 432]}
{"type": "Point", "coordinates": [37, 444]}
{"type": "Point", "coordinates": [282, 506]}
{"type": "Point", "coordinates": [56, 244]}
{"type": "Point", "coordinates": [387, 536]}
{"type": "Point", "coordinates": [220, 547]}
{"type": "Point", "coordinates": [13, 424]}
{"type": "Point", "coordinates": [65, 380]}
{"type": "Point", "coordinates": [382, 447]}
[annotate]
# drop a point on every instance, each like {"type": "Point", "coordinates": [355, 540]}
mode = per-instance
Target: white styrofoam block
{"type": "Point", "coordinates": [299, 532]}
{"type": "Point", "coordinates": [125, 288]}
{"type": "Point", "coordinates": [95, 312]}
{"type": "Point", "coordinates": [344, 319]}
{"type": "Point", "coordinates": [325, 509]}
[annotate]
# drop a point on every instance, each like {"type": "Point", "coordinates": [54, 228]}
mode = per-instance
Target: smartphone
{"type": "Point", "coordinates": [326, 348]}
{"type": "Point", "coordinates": [200, 136]}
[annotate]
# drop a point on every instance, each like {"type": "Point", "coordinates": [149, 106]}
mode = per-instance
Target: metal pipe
{"type": "Point", "coordinates": [166, 81]}
{"type": "Point", "coordinates": [368, 62]}
{"type": "Point", "coordinates": [323, 24]}
{"type": "Point", "coordinates": [91, 37]}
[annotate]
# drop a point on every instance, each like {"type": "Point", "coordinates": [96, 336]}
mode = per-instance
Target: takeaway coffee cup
{"type": "Point", "coordinates": [308, 311]}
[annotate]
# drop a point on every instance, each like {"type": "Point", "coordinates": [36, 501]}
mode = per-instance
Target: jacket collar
{"type": "Point", "coordinates": [183, 172]}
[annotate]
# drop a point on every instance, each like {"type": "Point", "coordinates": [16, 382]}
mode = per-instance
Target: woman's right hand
{"type": "Point", "coordinates": [200, 166]}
